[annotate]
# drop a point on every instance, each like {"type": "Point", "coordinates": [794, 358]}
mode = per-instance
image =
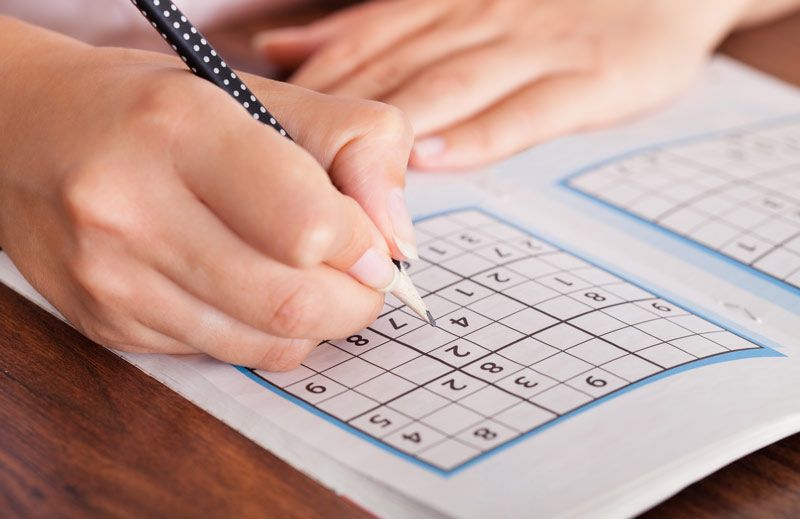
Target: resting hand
{"type": "Point", "coordinates": [484, 79]}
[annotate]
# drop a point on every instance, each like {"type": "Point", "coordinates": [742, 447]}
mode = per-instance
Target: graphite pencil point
{"type": "Point", "coordinates": [431, 320]}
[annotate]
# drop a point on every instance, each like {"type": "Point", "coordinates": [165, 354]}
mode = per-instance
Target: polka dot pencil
{"type": "Point", "coordinates": [200, 56]}
{"type": "Point", "coordinates": [204, 61]}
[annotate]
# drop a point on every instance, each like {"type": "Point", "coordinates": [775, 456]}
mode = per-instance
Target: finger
{"type": "Point", "coordinates": [271, 192]}
{"type": "Point", "coordinates": [379, 29]}
{"type": "Point", "coordinates": [363, 145]}
{"type": "Point", "coordinates": [175, 315]}
{"type": "Point", "coordinates": [100, 298]}
{"type": "Point", "coordinates": [463, 85]}
{"type": "Point", "coordinates": [544, 110]}
{"type": "Point", "coordinates": [207, 260]}
{"type": "Point", "coordinates": [388, 71]}
{"type": "Point", "coordinates": [119, 330]}
{"type": "Point", "coordinates": [288, 47]}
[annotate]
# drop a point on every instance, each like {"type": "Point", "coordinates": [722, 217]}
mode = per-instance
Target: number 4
{"type": "Point", "coordinates": [461, 321]}
{"type": "Point", "coordinates": [413, 437]}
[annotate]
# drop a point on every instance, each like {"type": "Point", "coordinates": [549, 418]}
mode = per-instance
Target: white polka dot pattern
{"type": "Point", "coordinates": [200, 57]}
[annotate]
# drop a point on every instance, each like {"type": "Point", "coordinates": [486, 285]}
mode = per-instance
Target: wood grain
{"type": "Point", "coordinates": [84, 434]}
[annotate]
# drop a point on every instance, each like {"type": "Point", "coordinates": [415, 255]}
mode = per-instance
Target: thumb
{"type": "Point", "coordinates": [364, 146]}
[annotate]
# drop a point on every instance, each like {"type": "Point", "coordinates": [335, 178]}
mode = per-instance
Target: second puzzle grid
{"type": "Point", "coordinates": [736, 194]}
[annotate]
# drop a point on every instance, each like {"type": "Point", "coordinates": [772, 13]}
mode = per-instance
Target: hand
{"type": "Point", "coordinates": [481, 80]}
{"type": "Point", "coordinates": [158, 216]}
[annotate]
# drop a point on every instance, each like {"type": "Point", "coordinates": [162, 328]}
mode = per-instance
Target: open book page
{"type": "Point", "coordinates": [618, 317]}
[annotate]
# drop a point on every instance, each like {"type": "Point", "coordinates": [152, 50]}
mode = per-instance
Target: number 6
{"type": "Point", "coordinates": [596, 382]}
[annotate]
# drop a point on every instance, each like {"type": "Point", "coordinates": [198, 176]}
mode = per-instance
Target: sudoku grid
{"type": "Point", "coordinates": [526, 333]}
{"type": "Point", "coordinates": [736, 194]}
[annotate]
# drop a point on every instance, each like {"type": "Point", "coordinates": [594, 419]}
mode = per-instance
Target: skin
{"type": "Point", "coordinates": [157, 216]}
{"type": "Point", "coordinates": [483, 79]}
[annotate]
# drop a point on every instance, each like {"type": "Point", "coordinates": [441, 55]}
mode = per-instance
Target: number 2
{"type": "Point", "coordinates": [454, 349]}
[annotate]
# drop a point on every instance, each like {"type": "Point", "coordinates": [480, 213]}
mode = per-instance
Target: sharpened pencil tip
{"type": "Point", "coordinates": [431, 320]}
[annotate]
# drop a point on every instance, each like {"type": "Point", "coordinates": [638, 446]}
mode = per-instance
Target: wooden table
{"type": "Point", "coordinates": [83, 433]}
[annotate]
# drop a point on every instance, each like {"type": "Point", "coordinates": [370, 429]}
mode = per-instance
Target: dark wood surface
{"type": "Point", "coordinates": [84, 434]}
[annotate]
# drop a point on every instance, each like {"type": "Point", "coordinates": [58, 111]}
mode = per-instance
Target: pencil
{"type": "Point", "coordinates": [205, 62]}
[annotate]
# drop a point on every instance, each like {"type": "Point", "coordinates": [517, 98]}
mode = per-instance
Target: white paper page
{"type": "Point", "coordinates": [581, 366]}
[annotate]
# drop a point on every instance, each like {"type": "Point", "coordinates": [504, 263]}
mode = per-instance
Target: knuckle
{"type": "Point", "coordinates": [95, 200]}
{"type": "Point", "coordinates": [99, 332]}
{"type": "Point", "coordinates": [82, 197]}
{"type": "Point", "coordinates": [286, 357]}
{"type": "Point", "coordinates": [92, 203]}
{"type": "Point", "coordinates": [104, 286]}
{"type": "Point", "coordinates": [312, 239]}
{"type": "Point", "coordinates": [156, 107]}
{"type": "Point", "coordinates": [390, 121]}
{"type": "Point", "coordinates": [293, 312]}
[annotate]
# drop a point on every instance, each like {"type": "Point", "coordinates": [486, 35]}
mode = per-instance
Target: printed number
{"type": "Point", "coordinates": [377, 420]}
{"type": "Point", "coordinates": [596, 382]}
{"type": "Point", "coordinates": [531, 245]}
{"type": "Point", "coordinates": [568, 283]}
{"type": "Point", "coordinates": [496, 277]}
{"type": "Point", "coordinates": [491, 367]}
{"type": "Point", "coordinates": [413, 437]}
{"type": "Point", "coordinates": [452, 383]}
{"type": "Point", "coordinates": [454, 349]}
{"type": "Point", "coordinates": [661, 308]}
{"type": "Point", "coordinates": [594, 296]}
{"type": "Point", "coordinates": [501, 254]}
{"type": "Point", "coordinates": [468, 294]}
{"type": "Point", "coordinates": [469, 239]}
{"type": "Point", "coordinates": [406, 265]}
{"type": "Point", "coordinates": [395, 325]}
{"type": "Point", "coordinates": [316, 389]}
{"type": "Point", "coordinates": [522, 381]}
{"type": "Point", "coordinates": [357, 340]}
{"type": "Point", "coordinates": [486, 434]}
{"type": "Point", "coordinates": [461, 321]}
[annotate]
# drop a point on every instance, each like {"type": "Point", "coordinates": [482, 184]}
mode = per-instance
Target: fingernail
{"type": "Point", "coordinates": [429, 147]}
{"type": "Point", "coordinates": [375, 269]}
{"type": "Point", "coordinates": [401, 224]}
